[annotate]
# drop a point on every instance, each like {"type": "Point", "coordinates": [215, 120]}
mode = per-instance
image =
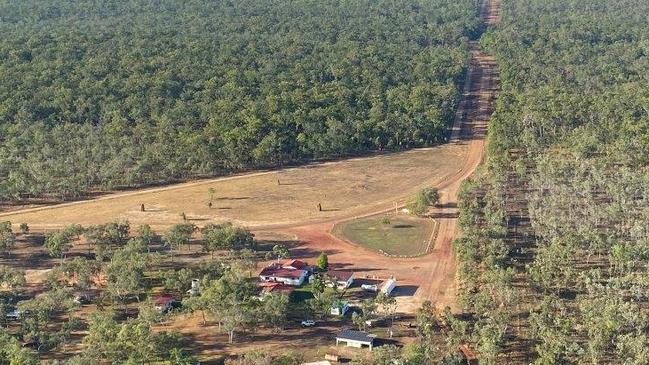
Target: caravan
{"type": "Point", "coordinates": [388, 287]}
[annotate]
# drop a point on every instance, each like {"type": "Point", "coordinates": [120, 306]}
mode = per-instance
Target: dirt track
{"type": "Point", "coordinates": [431, 277]}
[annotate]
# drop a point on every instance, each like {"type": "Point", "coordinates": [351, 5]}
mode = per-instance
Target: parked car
{"type": "Point", "coordinates": [14, 314]}
{"type": "Point", "coordinates": [370, 287]}
{"type": "Point", "coordinates": [308, 323]}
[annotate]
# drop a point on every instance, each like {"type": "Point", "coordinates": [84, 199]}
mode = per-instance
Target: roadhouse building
{"type": "Point", "coordinates": [281, 274]}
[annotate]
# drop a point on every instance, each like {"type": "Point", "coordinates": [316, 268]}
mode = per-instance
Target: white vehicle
{"type": "Point", "coordinates": [13, 314]}
{"type": "Point", "coordinates": [194, 291]}
{"type": "Point", "coordinates": [308, 323]}
{"type": "Point", "coordinates": [389, 286]}
{"type": "Point", "coordinates": [370, 287]}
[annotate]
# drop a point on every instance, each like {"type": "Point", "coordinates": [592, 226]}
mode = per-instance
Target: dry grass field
{"type": "Point", "coordinates": [344, 189]}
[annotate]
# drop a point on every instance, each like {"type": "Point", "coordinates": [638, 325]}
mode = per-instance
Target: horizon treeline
{"type": "Point", "coordinates": [98, 95]}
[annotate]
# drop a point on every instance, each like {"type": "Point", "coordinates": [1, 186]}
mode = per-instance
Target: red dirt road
{"type": "Point", "coordinates": [430, 277]}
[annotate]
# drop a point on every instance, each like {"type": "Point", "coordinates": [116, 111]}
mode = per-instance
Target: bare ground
{"type": "Point", "coordinates": [343, 188]}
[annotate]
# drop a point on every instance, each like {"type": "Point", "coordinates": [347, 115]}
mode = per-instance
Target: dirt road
{"type": "Point", "coordinates": [431, 277]}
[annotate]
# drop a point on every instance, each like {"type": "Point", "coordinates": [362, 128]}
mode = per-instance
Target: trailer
{"type": "Point", "coordinates": [370, 287]}
{"type": "Point", "coordinates": [388, 287]}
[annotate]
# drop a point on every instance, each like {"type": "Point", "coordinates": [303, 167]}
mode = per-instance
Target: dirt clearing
{"type": "Point", "coordinates": [289, 196]}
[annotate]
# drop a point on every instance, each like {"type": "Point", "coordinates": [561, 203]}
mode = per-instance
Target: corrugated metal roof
{"type": "Point", "coordinates": [340, 275]}
{"type": "Point", "coordinates": [355, 336]}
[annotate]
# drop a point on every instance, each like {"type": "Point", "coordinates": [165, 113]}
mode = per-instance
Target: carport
{"type": "Point", "coordinates": [355, 339]}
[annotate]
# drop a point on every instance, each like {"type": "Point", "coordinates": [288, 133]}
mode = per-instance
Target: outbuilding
{"type": "Point", "coordinates": [269, 288]}
{"type": "Point", "coordinates": [279, 274]}
{"type": "Point", "coordinates": [339, 308]}
{"type": "Point", "coordinates": [356, 339]}
{"type": "Point", "coordinates": [389, 286]}
{"type": "Point", "coordinates": [340, 278]}
{"type": "Point", "coordinates": [164, 303]}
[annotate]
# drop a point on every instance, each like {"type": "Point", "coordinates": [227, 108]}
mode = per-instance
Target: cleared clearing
{"type": "Point", "coordinates": [343, 188]}
{"type": "Point", "coordinates": [400, 235]}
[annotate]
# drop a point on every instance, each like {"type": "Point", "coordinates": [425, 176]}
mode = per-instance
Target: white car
{"type": "Point", "coordinates": [13, 314]}
{"type": "Point", "coordinates": [308, 323]}
{"type": "Point", "coordinates": [370, 287]}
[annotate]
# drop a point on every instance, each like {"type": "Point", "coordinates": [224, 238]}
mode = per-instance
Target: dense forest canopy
{"type": "Point", "coordinates": [577, 72]}
{"type": "Point", "coordinates": [555, 253]}
{"type": "Point", "coordinates": [100, 94]}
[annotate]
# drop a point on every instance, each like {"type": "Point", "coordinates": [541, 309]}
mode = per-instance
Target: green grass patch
{"type": "Point", "coordinates": [396, 235]}
{"type": "Point", "coordinates": [302, 294]}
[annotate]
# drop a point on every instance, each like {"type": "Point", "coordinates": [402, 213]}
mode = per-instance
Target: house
{"type": "Point", "coordinates": [339, 308]}
{"type": "Point", "coordinates": [165, 303]}
{"type": "Point", "coordinates": [342, 279]}
{"type": "Point", "coordinates": [274, 288]}
{"type": "Point", "coordinates": [297, 265]}
{"type": "Point", "coordinates": [388, 287]}
{"type": "Point", "coordinates": [355, 339]}
{"type": "Point", "coordinates": [280, 274]}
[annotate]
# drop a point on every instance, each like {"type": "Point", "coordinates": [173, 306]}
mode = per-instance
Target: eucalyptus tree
{"type": "Point", "coordinates": [178, 235]}
{"type": "Point", "coordinates": [7, 237]}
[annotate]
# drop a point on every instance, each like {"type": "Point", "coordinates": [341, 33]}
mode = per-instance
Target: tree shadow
{"type": "Point", "coordinates": [401, 226]}
{"type": "Point", "coordinates": [444, 215]}
{"type": "Point", "coordinates": [446, 205]}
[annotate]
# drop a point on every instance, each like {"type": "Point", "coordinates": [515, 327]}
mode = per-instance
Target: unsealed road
{"type": "Point", "coordinates": [433, 275]}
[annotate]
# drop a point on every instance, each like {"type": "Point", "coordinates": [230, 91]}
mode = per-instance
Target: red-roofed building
{"type": "Point", "coordinates": [164, 303]}
{"type": "Point", "coordinates": [342, 279]}
{"type": "Point", "coordinates": [297, 265]}
{"type": "Point", "coordinates": [274, 288]}
{"type": "Point", "coordinates": [280, 274]}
